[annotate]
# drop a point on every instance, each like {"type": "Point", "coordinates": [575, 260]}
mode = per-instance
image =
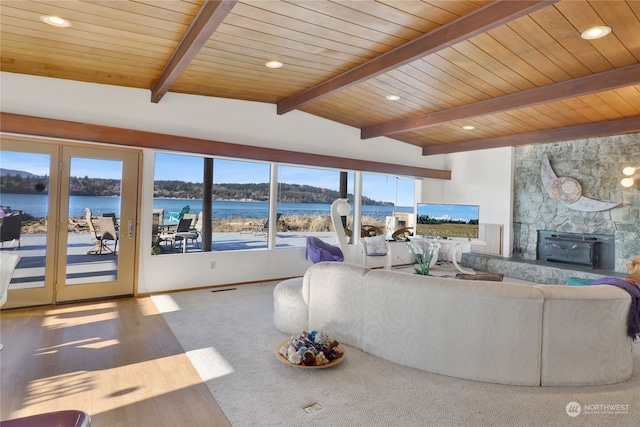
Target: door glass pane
{"type": "Point", "coordinates": [94, 212]}
{"type": "Point", "coordinates": [24, 196]}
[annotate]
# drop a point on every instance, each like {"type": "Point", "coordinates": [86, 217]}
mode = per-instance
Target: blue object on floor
{"type": "Point", "coordinates": [577, 281]}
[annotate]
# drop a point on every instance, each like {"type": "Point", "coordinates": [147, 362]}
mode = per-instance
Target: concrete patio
{"type": "Point", "coordinates": [83, 267]}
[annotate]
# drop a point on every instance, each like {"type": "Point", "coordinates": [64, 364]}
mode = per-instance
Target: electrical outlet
{"type": "Point", "coordinates": [312, 408]}
{"type": "Point", "coordinates": [213, 265]}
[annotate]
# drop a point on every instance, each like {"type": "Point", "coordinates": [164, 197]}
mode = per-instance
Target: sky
{"type": "Point", "coordinates": [465, 212]}
{"type": "Point", "coordinates": [189, 168]}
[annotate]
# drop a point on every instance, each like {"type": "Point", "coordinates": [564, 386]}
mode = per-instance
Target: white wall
{"type": "Point", "coordinates": [226, 120]}
{"type": "Point", "coordinates": [247, 123]}
{"type": "Point", "coordinates": [483, 178]}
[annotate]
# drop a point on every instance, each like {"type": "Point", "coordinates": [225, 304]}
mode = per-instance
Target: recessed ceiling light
{"type": "Point", "coordinates": [468, 127]}
{"type": "Point", "coordinates": [56, 21]}
{"type": "Point", "coordinates": [274, 64]}
{"type": "Point", "coordinates": [595, 32]}
{"type": "Point", "coordinates": [392, 97]}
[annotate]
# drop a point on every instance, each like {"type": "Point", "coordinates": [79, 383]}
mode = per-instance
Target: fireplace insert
{"type": "Point", "coordinates": [583, 250]}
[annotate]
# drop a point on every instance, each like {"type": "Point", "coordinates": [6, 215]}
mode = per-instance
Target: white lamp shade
{"type": "Point", "coordinates": [626, 182]}
{"type": "Point", "coordinates": [343, 208]}
{"type": "Point", "coordinates": [629, 170]}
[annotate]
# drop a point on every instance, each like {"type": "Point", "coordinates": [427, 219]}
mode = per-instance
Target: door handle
{"type": "Point", "coordinates": [130, 229]}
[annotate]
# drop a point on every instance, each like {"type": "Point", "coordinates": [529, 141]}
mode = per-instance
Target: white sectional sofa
{"type": "Point", "coordinates": [550, 335]}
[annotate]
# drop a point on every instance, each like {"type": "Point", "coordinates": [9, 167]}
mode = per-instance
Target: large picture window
{"type": "Point", "coordinates": [241, 195]}
{"type": "Point", "coordinates": [304, 203]}
{"type": "Point", "coordinates": [387, 204]}
{"type": "Point", "coordinates": [239, 204]}
{"type": "Point", "coordinates": [240, 207]}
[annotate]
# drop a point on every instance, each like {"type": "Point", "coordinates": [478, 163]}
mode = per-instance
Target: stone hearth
{"type": "Point", "coordinates": [532, 271]}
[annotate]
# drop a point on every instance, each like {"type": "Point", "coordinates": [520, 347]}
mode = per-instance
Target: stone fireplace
{"type": "Point", "coordinates": [574, 243]}
{"type": "Point", "coordinates": [546, 230]}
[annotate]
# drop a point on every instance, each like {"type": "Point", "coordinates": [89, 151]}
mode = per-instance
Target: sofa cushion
{"type": "Point", "coordinates": [585, 335]}
{"type": "Point", "coordinates": [290, 312]}
{"type": "Point", "coordinates": [485, 331]}
{"type": "Point", "coordinates": [334, 293]}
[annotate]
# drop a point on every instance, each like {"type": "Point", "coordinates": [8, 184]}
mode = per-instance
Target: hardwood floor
{"type": "Point", "coordinates": [117, 360]}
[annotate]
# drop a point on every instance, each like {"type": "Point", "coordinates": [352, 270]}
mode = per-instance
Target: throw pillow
{"type": "Point", "coordinates": [376, 245]}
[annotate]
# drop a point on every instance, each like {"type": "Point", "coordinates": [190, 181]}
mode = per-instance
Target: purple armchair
{"type": "Point", "coordinates": [318, 250]}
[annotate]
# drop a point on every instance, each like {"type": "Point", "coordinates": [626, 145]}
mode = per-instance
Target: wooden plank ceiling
{"type": "Point", "coordinates": [517, 71]}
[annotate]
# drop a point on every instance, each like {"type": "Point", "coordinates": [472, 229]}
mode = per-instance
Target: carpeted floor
{"type": "Point", "coordinates": [230, 338]}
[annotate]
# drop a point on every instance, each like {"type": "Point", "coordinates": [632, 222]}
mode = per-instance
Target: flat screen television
{"type": "Point", "coordinates": [447, 220]}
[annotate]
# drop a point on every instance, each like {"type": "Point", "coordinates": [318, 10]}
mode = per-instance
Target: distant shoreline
{"type": "Point", "coordinates": [36, 206]}
{"type": "Point", "coordinates": [287, 223]}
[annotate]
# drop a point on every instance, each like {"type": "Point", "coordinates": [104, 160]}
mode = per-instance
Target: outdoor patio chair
{"type": "Point", "coordinates": [96, 236]}
{"type": "Point", "coordinates": [186, 232]}
{"type": "Point", "coordinates": [183, 231]}
{"type": "Point", "coordinates": [107, 232]}
{"type": "Point", "coordinates": [402, 234]}
{"type": "Point", "coordinates": [192, 232]}
{"type": "Point", "coordinates": [160, 213]}
{"type": "Point", "coordinates": [10, 229]}
{"type": "Point", "coordinates": [112, 215]}
{"type": "Point", "coordinates": [177, 216]}
{"type": "Point", "coordinates": [370, 230]}
{"type": "Point", "coordinates": [155, 233]}
{"type": "Point", "coordinates": [196, 228]}
{"type": "Point", "coordinates": [263, 229]}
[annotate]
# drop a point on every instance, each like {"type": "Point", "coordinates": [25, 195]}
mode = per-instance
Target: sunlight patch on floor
{"type": "Point", "coordinates": [165, 303]}
{"type": "Point", "coordinates": [100, 344]}
{"type": "Point", "coordinates": [79, 308]}
{"type": "Point", "coordinates": [79, 315]}
{"type": "Point", "coordinates": [209, 363]}
{"type": "Point", "coordinates": [58, 387]}
{"type": "Point", "coordinates": [116, 387]}
{"type": "Point", "coordinates": [84, 343]}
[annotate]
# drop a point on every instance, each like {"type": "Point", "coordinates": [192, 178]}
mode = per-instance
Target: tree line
{"type": "Point", "coordinates": [426, 219]}
{"type": "Point", "coordinates": [287, 193]}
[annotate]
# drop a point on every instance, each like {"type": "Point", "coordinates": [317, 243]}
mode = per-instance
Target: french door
{"type": "Point", "coordinates": [62, 259]}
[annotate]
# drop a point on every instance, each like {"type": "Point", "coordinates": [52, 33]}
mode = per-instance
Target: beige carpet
{"type": "Point", "coordinates": [230, 337]}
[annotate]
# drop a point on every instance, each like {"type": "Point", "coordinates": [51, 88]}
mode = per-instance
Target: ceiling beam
{"type": "Point", "coordinates": [479, 21]}
{"type": "Point", "coordinates": [61, 129]}
{"type": "Point", "coordinates": [591, 130]}
{"type": "Point", "coordinates": [209, 17]}
{"type": "Point", "coordinates": [600, 82]}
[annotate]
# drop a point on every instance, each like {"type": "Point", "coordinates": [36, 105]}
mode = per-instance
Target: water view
{"type": "Point", "coordinates": [36, 205]}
